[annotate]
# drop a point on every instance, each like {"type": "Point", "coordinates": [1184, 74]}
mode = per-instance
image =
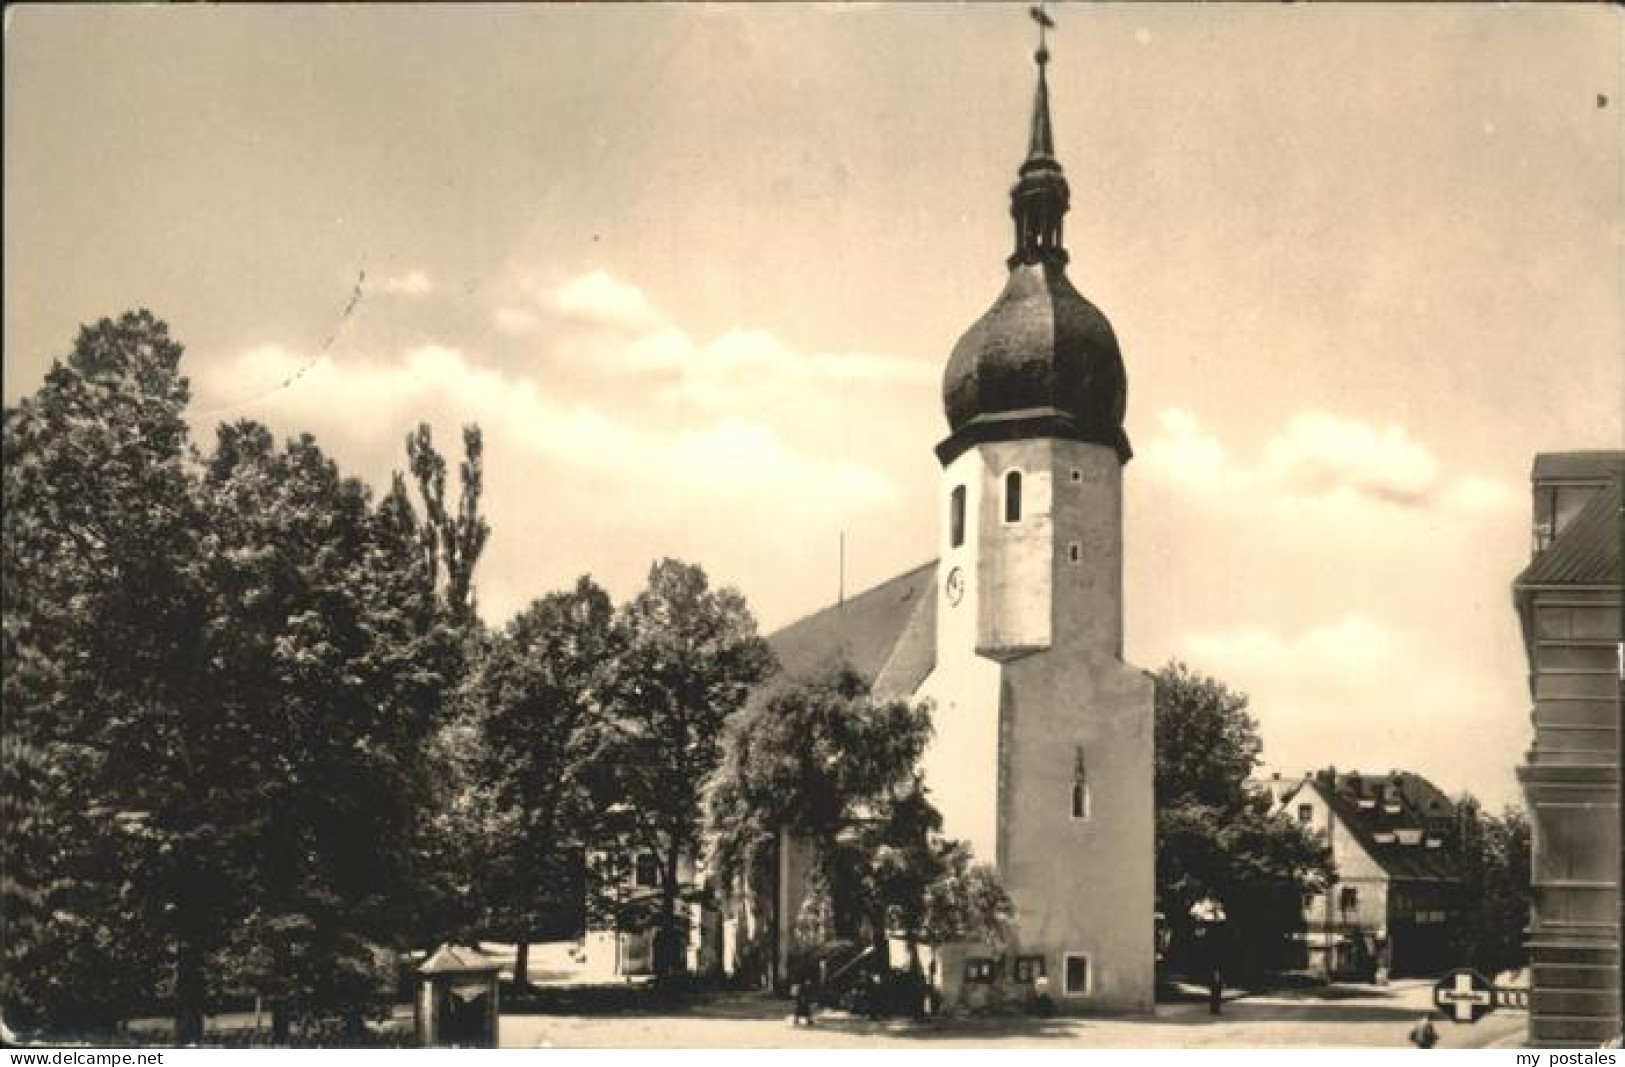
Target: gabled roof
{"type": "Point", "coordinates": [458, 959]}
{"type": "Point", "coordinates": [1422, 807]}
{"type": "Point", "coordinates": [887, 634]}
{"type": "Point", "coordinates": [1587, 551]}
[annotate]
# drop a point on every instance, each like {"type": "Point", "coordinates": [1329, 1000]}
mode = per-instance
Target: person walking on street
{"type": "Point", "coordinates": [802, 992]}
{"type": "Point", "coordinates": [1423, 1035]}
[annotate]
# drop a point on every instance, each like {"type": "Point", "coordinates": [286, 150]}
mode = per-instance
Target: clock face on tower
{"type": "Point", "coordinates": [955, 586]}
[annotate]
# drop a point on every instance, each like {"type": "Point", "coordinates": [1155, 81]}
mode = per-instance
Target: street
{"type": "Point", "coordinates": [1339, 1016]}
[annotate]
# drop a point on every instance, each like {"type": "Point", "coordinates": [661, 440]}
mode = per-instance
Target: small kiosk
{"type": "Point", "coordinates": [457, 999]}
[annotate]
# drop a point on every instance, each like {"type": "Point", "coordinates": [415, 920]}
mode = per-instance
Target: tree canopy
{"type": "Point", "coordinates": [1494, 896]}
{"type": "Point", "coordinates": [822, 761]}
{"type": "Point", "coordinates": [107, 722]}
{"type": "Point", "coordinates": [534, 700]}
{"type": "Point", "coordinates": [1217, 839]}
{"type": "Point", "coordinates": [688, 657]}
{"type": "Point", "coordinates": [222, 673]}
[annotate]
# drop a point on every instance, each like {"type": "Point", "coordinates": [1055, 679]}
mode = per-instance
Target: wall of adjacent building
{"type": "Point", "coordinates": [1571, 782]}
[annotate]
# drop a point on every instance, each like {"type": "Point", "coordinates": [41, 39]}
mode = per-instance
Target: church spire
{"type": "Point", "coordinates": [1040, 196]}
{"type": "Point", "coordinates": [1041, 145]}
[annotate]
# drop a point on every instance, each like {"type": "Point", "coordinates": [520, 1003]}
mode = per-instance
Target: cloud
{"type": "Point", "coordinates": [1473, 494]}
{"type": "Point", "coordinates": [737, 371]}
{"type": "Point", "coordinates": [1352, 644]}
{"type": "Point", "coordinates": [574, 484]}
{"type": "Point", "coordinates": [413, 283]}
{"type": "Point", "coordinates": [615, 434]}
{"type": "Point", "coordinates": [729, 458]}
{"type": "Point", "coordinates": [1318, 454]}
{"type": "Point", "coordinates": [601, 299]}
{"type": "Point", "coordinates": [515, 320]}
{"type": "Point", "coordinates": [1317, 460]}
{"type": "Point", "coordinates": [1353, 691]}
{"type": "Point", "coordinates": [1186, 453]}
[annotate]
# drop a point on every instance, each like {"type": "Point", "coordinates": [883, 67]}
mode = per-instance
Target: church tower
{"type": "Point", "coordinates": [1043, 751]}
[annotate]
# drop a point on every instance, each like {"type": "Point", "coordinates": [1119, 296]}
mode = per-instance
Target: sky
{"type": "Point", "coordinates": [696, 269]}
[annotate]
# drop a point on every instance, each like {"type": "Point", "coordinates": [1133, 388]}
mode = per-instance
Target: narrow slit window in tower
{"type": "Point", "coordinates": [1012, 497]}
{"type": "Point", "coordinates": [956, 517]}
{"type": "Point", "coordinates": [1080, 787]}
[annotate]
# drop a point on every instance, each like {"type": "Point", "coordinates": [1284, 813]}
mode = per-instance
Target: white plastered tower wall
{"type": "Point", "coordinates": [1033, 701]}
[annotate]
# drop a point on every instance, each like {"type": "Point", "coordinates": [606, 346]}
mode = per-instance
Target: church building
{"type": "Point", "coordinates": [1042, 754]}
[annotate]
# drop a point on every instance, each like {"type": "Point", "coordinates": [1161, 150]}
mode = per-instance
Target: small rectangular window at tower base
{"type": "Point", "coordinates": [1074, 552]}
{"type": "Point", "coordinates": [1077, 975]}
{"type": "Point", "coordinates": [1077, 475]}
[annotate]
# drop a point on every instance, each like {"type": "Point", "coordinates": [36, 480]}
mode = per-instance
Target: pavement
{"type": "Point", "coordinates": [1337, 1016]}
{"type": "Point", "coordinates": [1332, 1016]}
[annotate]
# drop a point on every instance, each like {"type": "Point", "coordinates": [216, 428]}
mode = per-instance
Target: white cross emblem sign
{"type": "Point", "coordinates": [1466, 994]}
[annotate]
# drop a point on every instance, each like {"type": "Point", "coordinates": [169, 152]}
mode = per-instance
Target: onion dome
{"type": "Point", "coordinates": [1043, 361]}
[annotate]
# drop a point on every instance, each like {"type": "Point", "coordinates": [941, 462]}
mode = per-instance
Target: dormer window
{"type": "Point", "coordinates": [1012, 497]}
{"type": "Point", "coordinates": [1556, 506]}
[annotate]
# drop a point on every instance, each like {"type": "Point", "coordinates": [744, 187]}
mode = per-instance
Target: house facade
{"type": "Point", "coordinates": [1392, 906]}
{"type": "Point", "coordinates": [1568, 601]}
{"type": "Point", "coordinates": [619, 940]}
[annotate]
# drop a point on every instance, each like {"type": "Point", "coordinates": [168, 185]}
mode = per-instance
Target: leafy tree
{"type": "Point", "coordinates": [465, 837]}
{"type": "Point", "coordinates": [1206, 744]}
{"type": "Point", "coordinates": [536, 690]}
{"type": "Point", "coordinates": [221, 681]}
{"type": "Point", "coordinates": [451, 543]}
{"type": "Point", "coordinates": [111, 893]}
{"type": "Point", "coordinates": [824, 761]}
{"type": "Point", "coordinates": [689, 655]}
{"type": "Point", "coordinates": [1215, 838]}
{"type": "Point", "coordinates": [813, 758]}
{"type": "Point", "coordinates": [1492, 905]}
{"type": "Point", "coordinates": [966, 901]}
{"type": "Point", "coordinates": [333, 660]}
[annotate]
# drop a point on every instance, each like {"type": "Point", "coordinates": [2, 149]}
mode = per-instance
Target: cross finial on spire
{"type": "Point", "coordinates": [1039, 198]}
{"type": "Point", "coordinates": [1039, 143]}
{"type": "Point", "coordinates": [1041, 17]}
